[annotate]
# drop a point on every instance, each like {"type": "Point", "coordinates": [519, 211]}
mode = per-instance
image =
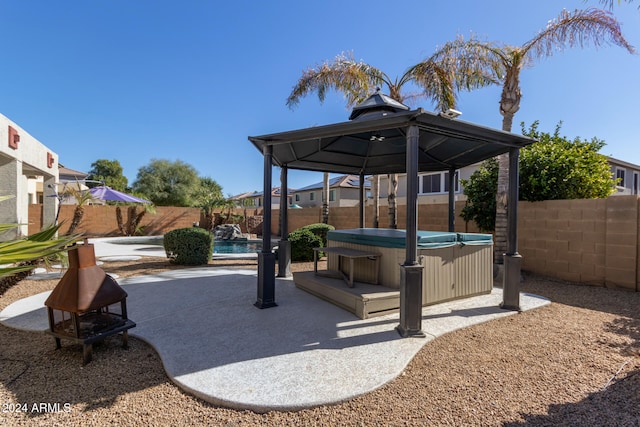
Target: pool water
{"type": "Point", "coordinates": [219, 246]}
{"type": "Point", "coordinates": [236, 247]}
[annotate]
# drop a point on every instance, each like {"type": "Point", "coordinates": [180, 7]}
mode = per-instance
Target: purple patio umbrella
{"type": "Point", "coordinates": [104, 192]}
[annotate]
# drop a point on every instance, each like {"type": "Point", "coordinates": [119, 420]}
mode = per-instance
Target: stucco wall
{"type": "Point", "coordinates": [594, 242]}
{"type": "Point", "coordinates": [101, 220]}
{"type": "Point", "coordinates": [21, 155]}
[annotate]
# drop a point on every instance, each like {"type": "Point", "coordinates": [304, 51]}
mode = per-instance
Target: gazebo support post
{"type": "Point", "coordinates": [362, 200]}
{"type": "Point", "coordinates": [411, 272]}
{"type": "Point", "coordinates": [284, 246]}
{"type": "Point", "coordinates": [266, 258]}
{"type": "Point", "coordinates": [452, 200]}
{"type": "Point", "coordinates": [512, 259]}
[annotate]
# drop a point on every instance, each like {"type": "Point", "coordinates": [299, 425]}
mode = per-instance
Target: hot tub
{"type": "Point", "coordinates": [456, 265]}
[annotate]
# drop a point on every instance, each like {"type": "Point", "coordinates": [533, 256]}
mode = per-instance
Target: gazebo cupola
{"type": "Point", "coordinates": [376, 106]}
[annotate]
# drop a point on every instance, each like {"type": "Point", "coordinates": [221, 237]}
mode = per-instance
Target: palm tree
{"type": "Point", "coordinates": [325, 198]}
{"type": "Point", "coordinates": [506, 62]}
{"type": "Point", "coordinates": [82, 197]}
{"type": "Point", "coordinates": [437, 80]}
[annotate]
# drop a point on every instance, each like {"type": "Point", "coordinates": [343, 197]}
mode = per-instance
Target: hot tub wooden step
{"type": "Point", "coordinates": [364, 300]}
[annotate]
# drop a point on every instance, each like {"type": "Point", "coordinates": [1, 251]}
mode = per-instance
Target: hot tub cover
{"type": "Point", "coordinates": [392, 238]}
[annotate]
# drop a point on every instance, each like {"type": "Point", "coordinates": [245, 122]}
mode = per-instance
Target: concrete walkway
{"type": "Point", "coordinates": [306, 352]}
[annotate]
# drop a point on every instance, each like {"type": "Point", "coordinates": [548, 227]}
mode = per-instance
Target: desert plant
{"type": "Point", "coordinates": [302, 244]}
{"type": "Point", "coordinates": [189, 246]}
{"type": "Point", "coordinates": [82, 198]}
{"type": "Point", "coordinates": [320, 230]}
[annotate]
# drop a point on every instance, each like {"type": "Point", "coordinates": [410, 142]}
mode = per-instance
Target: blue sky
{"type": "Point", "coordinates": [190, 80]}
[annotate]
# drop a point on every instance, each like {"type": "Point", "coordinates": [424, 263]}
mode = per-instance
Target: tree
{"type": "Point", "coordinates": [208, 198]}
{"type": "Point", "coordinates": [167, 183]}
{"type": "Point", "coordinates": [109, 172]}
{"type": "Point", "coordinates": [554, 168]}
{"type": "Point", "coordinates": [506, 62]}
{"type": "Point", "coordinates": [558, 168]}
{"type": "Point", "coordinates": [325, 198]}
{"type": "Point", "coordinates": [437, 80]}
{"type": "Point", "coordinates": [82, 198]}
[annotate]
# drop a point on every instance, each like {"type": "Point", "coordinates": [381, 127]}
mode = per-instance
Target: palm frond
{"type": "Point", "coordinates": [580, 28]}
{"type": "Point", "coordinates": [354, 79]}
{"type": "Point", "coordinates": [36, 246]}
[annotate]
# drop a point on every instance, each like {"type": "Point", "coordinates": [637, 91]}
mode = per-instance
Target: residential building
{"type": "Point", "coordinates": [344, 190]}
{"type": "Point", "coordinates": [628, 175]}
{"type": "Point", "coordinates": [255, 199]}
{"type": "Point", "coordinates": [433, 187]}
{"type": "Point", "coordinates": [24, 158]}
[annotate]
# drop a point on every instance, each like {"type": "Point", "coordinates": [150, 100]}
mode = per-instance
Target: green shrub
{"type": "Point", "coordinates": [302, 244]}
{"type": "Point", "coordinates": [320, 230]}
{"type": "Point", "coordinates": [189, 246]}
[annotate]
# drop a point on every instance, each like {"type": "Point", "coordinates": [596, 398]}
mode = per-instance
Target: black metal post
{"type": "Point", "coordinates": [452, 200]}
{"type": "Point", "coordinates": [284, 247]}
{"type": "Point", "coordinates": [362, 200]}
{"type": "Point", "coordinates": [411, 272]}
{"type": "Point", "coordinates": [266, 258]}
{"type": "Point", "coordinates": [512, 259]}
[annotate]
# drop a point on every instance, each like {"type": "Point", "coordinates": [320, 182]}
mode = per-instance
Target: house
{"type": "Point", "coordinates": [628, 175]}
{"type": "Point", "coordinates": [66, 178]}
{"type": "Point", "coordinates": [344, 190]}
{"type": "Point", "coordinates": [24, 158]}
{"type": "Point", "coordinates": [433, 187]}
{"type": "Point", "coordinates": [255, 199]}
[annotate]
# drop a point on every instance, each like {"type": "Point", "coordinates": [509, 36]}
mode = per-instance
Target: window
{"type": "Point", "coordinates": [332, 195]}
{"type": "Point", "coordinates": [620, 177]}
{"type": "Point", "coordinates": [431, 183]}
{"type": "Point", "coordinates": [311, 196]}
{"type": "Point", "coordinates": [290, 200]}
{"type": "Point", "coordinates": [438, 183]}
{"type": "Point", "coordinates": [297, 197]}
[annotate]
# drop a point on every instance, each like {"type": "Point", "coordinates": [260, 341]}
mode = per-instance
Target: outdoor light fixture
{"type": "Point", "coordinates": [376, 138]}
{"type": "Point", "coordinates": [450, 113]}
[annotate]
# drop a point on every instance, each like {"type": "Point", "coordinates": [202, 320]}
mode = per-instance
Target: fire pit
{"type": "Point", "coordinates": [87, 305]}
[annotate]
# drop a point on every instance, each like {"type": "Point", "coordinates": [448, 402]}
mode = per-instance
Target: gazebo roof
{"type": "Point", "coordinates": [377, 144]}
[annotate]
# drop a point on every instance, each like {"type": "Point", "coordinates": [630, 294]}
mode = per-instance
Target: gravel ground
{"type": "Point", "coordinates": [572, 363]}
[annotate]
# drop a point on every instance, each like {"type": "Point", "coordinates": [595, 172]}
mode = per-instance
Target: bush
{"type": "Point", "coordinates": [320, 230]}
{"type": "Point", "coordinates": [189, 246]}
{"type": "Point", "coordinates": [302, 244]}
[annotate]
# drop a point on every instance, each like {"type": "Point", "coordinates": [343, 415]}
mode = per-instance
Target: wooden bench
{"type": "Point", "coordinates": [351, 255]}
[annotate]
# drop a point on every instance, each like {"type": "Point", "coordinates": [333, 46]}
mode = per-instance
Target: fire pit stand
{"type": "Point", "coordinates": [87, 305]}
{"type": "Point", "coordinates": [87, 328]}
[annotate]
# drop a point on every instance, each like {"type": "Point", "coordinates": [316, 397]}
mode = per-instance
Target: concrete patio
{"type": "Point", "coordinates": [306, 352]}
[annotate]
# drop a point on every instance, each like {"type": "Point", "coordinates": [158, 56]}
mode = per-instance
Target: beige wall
{"type": "Point", "coordinates": [594, 242]}
{"type": "Point", "coordinates": [101, 220]}
{"type": "Point", "coordinates": [588, 241]}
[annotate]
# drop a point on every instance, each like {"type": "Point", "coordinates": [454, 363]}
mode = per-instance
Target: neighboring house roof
{"type": "Point", "coordinates": [344, 181]}
{"type": "Point", "coordinates": [275, 192]}
{"type": "Point", "coordinates": [618, 162]}
{"type": "Point", "coordinates": [68, 174]}
{"type": "Point", "coordinates": [243, 195]}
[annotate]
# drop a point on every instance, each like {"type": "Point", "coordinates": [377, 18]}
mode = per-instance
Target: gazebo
{"type": "Point", "coordinates": [384, 136]}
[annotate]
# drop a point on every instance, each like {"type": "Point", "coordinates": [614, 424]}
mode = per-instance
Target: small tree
{"type": "Point", "coordinates": [553, 168]}
{"type": "Point", "coordinates": [168, 183]}
{"type": "Point", "coordinates": [82, 198]}
{"type": "Point", "coordinates": [558, 168]}
{"type": "Point", "coordinates": [110, 172]}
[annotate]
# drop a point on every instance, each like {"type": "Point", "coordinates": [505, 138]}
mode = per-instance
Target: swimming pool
{"type": "Point", "coordinates": [219, 246]}
{"type": "Point", "coordinates": [236, 246]}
